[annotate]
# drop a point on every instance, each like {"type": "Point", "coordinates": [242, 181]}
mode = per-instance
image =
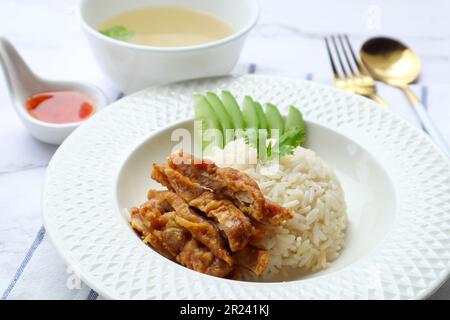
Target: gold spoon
{"type": "Point", "coordinates": [392, 62]}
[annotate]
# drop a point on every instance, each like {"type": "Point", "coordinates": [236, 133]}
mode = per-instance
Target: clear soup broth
{"type": "Point", "coordinates": [167, 26]}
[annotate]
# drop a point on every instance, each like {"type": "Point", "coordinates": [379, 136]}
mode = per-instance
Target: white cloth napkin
{"type": "Point", "coordinates": [44, 275]}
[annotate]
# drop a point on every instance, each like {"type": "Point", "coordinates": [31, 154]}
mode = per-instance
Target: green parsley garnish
{"type": "Point", "coordinates": [118, 33]}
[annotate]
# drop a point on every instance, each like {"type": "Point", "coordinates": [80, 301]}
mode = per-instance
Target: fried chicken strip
{"type": "Point", "coordinates": [231, 184]}
{"type": "Point", "coordinates": [245, 196]}
{"type": "Point", "coordinates": [156, 226]}
{"type": "Point", "coordinates": [252, 259]}
{"type": "Point", "coordinates": [197, 257]}
{"type": "Point", "coordinates": [175, 242]}
{"type": "Point", "coordinates": [235, 225]}
{"type": "Point", "coordinates": [200, 228]}
{"type": "Point", "coordinates": [276, 214]}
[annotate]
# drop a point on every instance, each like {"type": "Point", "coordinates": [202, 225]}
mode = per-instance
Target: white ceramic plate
{"type": "Point", "coordinates": [397, 186]}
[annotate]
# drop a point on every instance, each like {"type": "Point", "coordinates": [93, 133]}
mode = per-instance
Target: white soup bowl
{"type": "Point", "coordinates": [134, 67]}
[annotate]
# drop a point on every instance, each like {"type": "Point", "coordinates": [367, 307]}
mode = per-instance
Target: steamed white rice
{"type": "Point", "coordinates": [305, 184]}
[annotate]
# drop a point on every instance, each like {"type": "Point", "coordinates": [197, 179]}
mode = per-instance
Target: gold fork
{"type": "Point", "coordinates": [350, 75]}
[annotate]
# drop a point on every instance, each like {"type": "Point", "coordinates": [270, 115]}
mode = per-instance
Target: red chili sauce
{"type": "Point", "coordinates": [60, 107]}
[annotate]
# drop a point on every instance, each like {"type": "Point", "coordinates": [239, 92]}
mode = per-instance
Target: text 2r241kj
{"type": "Point", "coordinates": [240, 309]}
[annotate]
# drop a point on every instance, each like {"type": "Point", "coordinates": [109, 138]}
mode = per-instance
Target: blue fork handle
{"type": "Point", "coordinates": [430, 127]}
{"type": "Point", "coordinates": [424, 117]}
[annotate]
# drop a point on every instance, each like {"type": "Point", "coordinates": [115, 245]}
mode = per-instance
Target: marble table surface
{"type": "Point", "coordinates": [287, 41]}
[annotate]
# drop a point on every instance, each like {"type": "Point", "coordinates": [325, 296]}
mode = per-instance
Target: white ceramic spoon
{"type": "Point", "coordinates": [23, 83]}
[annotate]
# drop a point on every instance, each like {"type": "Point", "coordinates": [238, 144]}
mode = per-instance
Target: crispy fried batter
{"type": "Point", "coordinates": [236, 226]}
{"type": "Point", "coordinates": [231, 184]}
{"type": "Point", "coordinates": [137, 223]}
{"type": "Point", "coordinates": [224, 182]}
{"type": "Point", "coordinates": [150, 223]}
{"type": "Point", "coordinates": [201, 229]}
{"type": "Point", "coordinates": [197, 257]}
{"type": "Point", "coordinates": [176, 182]}
{"type": "Point", "coordinates": [175, 242]}
{"type": "Point", "coordinates": [275, 214]}
{"type": "Point", "coordinates": [252, 259]}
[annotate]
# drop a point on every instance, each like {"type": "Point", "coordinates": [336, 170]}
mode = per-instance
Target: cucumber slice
{"type": "Point", "coordinates": [274, 118]}
{"type": "Point", "coordinates": [262, 121]}
{"type": "Point", "coordinates": [250, 114]}
{"type": "Point", "coordinates": [233, 109]}
{"type": "Point", "coordinates": [294, 119]}
{"type": "Point", "coordinates": [205, 113]}
{"type": "Point", "coordinates": [296, 124]}
{"type": "Point", "coordinates": [221, 112]}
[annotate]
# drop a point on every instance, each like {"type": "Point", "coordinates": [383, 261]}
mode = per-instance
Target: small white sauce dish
{"type": "Point", "coordinates": [133, 67]}
{"type": "Point", "coordinates": [22, 83]}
